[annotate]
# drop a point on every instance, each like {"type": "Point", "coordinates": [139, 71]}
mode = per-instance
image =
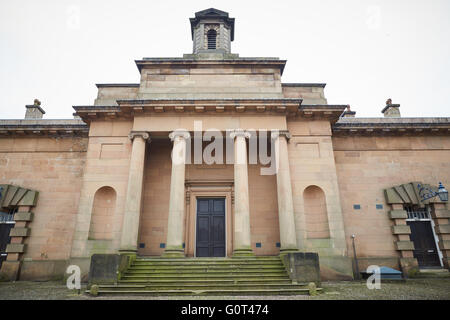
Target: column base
{"type": "Point", "coordinates": [243, 253]}
{"type": "Point", "coordinates": [173, 253]}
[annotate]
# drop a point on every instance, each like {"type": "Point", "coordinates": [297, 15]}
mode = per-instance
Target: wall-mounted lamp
{"type": "Point", "coordinates": [426, 193]}
{"type": "Point", "coordinates": [442, 192]}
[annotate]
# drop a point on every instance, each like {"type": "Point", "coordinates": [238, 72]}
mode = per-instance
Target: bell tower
{"type": "Point", "coordinates": [212, 31]}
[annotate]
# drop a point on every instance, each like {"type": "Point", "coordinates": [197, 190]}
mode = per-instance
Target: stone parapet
{"type": "Point", "coordinates": [302, 266]}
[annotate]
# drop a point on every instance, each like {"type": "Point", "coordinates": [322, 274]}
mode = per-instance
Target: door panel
{"type": "Point", "coordinates": [210, 227]}
{"type": "Point", "coordinates": [425, 250]}
{"type": "Point", "coordinates": [218, 236]}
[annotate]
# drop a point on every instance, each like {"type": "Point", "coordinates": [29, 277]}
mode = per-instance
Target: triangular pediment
{"type": "Point", "coordinates": [211, 12]}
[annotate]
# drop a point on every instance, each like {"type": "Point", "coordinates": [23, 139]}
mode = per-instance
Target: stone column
{"type": "Point", "coordinates": [288, 238]}
{"type": "Point", "coordinates": [130, 227]}
{"type": "Point", "coordinates": [242, 238]}
{"type": "Point", "coordinates": [174, 243]}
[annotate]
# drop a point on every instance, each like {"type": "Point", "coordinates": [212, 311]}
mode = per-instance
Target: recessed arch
{"type": "Point", "coordinates": [103, 208]}
{"type": "Point", "coordinates": [316, 215]}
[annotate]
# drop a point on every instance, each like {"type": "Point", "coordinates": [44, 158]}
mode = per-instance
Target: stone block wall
{"type": "Point", "coordinates": [107, 165]}
{"type": "Point", "coordinates": [108, 95]}
{"type": "Point", "coordinates": [53, 167]}
{"type": "Point", "coordinates": [310, 95]}
{"type": "Point", "coordinates": [368, 165]}
{"type": "Point", "coordinates": [312, 165]}
{"type": "Point", "coordinates": [209, 82]}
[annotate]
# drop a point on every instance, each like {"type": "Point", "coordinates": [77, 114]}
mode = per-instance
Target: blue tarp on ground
{"type": "Point", "coordinates": [386, 273]}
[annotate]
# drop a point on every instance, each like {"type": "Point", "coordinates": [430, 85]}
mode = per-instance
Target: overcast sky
{"type": "Point", "coordinates": [366, 51]}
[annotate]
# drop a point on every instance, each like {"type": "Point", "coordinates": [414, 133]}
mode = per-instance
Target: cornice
{"type": "Point", "coordinates": [182, 62]}
{"type": "Point", "coordinates": [53, 128]}
{"type": "Point", "coordinates": [127, 109]}
{"type": "Point", "coordinates": [392, 126]}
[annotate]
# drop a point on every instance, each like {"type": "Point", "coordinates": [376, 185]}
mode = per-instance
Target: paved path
{"type": "Point", "coordinates": [421, 289]}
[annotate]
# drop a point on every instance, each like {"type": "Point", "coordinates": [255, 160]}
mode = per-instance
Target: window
{"type": "Point", "coordinates": [416, 212]}
{"type": "Point", "coordinates": [212, 36]}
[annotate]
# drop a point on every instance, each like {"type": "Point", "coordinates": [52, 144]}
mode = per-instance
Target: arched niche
{"type": "Point", "coordinates": [316, 215]}
{"type": "Point", "coordinates": [103, 208]}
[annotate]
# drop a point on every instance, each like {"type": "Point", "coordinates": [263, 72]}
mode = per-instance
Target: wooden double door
{"type": "Point", "coordinates": [210, 234]}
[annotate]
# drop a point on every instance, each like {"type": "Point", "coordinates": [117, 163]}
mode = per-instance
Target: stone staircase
{"type": "Point", "coordinates": [205, 276]}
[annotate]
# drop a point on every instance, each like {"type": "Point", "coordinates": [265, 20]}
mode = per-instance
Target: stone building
{"type": "Point", "coordinates": [105, 182]}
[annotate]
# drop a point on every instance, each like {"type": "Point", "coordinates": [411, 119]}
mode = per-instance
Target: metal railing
{"type": "Point", "coordinates": [7, 217]}
{"type": "Point", "coordinates": [415, 212]}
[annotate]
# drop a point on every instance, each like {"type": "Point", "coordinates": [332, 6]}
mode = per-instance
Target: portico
{"type": "Point", "coordinates": [234, 190]}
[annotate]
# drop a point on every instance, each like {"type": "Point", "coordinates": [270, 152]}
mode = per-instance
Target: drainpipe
{"type": "Point", "coordinates": [355, 258]}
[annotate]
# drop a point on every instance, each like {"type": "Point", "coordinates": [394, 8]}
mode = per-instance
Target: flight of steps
{"type": "Point", "coordinates": [205, 276]}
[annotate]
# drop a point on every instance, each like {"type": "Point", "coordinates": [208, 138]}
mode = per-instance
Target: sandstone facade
{"type": "Point", "coordinates": [106, 182]}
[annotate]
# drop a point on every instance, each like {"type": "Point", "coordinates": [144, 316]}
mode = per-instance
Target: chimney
{"type": "Point", "coordinates": [34, 111]}
{"type": "Point", "coordinates": [391, 110]}
{"type": "Point", "coordinates": [348, 113]}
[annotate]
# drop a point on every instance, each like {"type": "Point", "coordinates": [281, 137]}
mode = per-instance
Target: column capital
{"type": "Point", "coordinates": [240, 133]}
{"type": "Point", "coordinates": [179, 133]}
{"type": "Point", "coordinates": [143, 134]}
{"type": "Point", "coordinates": [281, 133]}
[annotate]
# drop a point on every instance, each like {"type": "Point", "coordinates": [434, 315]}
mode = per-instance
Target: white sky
{"type": "Point", "coordinates": [366, 51]}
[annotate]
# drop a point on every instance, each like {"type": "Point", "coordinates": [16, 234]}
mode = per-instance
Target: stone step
{"type": "Point", "coordinates": [230, 271]}
{"type": "Point", "coordinates": [201, 286]}
{"type": "Point", "coordinates": [215, 292]}
{"type": "Point", "coordinates": [206, 266]}
{"type": "Point", "coordinates": [259, 258]}
{"type": "Point", "coordinates": [206, 274]}
{"type": "Point", "coordinates": [202, 276]}
{"type": "Point", "coordinates": [190, 262]}
{"type": "Point", "coordinates": [182, 282]}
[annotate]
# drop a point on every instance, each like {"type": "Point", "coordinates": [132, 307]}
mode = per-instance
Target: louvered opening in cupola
{"type": "Point", "coordinates": [212, 39]}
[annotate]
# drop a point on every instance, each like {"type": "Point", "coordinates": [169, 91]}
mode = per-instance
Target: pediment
{"type": "Point", "coordinates": [211, 12]}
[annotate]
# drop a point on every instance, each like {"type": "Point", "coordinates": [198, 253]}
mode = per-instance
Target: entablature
{"type": "Point", "coordinates": [127, 109]}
